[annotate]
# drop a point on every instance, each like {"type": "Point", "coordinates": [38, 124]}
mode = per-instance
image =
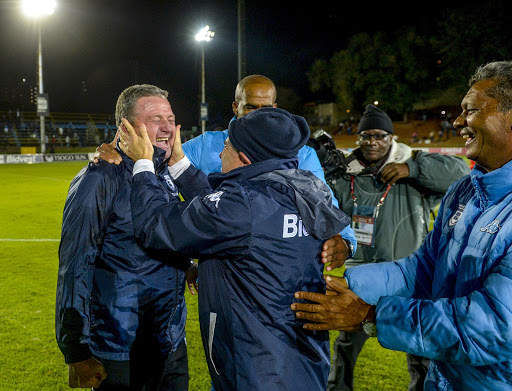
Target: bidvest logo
{"type": "Point", "coordinates": [292, 226]}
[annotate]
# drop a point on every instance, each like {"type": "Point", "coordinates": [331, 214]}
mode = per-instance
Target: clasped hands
{"type": "Point", "coordinates": [338, 309]}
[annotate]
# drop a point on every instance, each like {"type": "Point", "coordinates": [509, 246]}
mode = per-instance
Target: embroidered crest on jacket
{"type": "Point", "coordinates": [214, 197]}
{"type": "Point", "coordinates": [456, 216]}
{"type": "Point", "coordinates": [492, 228]}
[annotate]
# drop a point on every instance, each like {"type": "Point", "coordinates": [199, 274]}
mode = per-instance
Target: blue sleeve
{"type": "Point", "coordinates": [308, 160]}
{"type": "Point", "coordinates": [193, 182]}
{"type": "Point", "coordinates": [86, 215]}
{"type": "Point", "coordinates": [193, 149]}
{"type": "Point", "coordinates": [468, 330]}
{"type": "Point", "coordinates": [408, 277]}
{"type": "Point", "coordinates": [214, 224]}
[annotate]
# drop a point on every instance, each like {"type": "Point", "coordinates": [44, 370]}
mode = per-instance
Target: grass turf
{"type": "Point", "coordinates": [31, 204]}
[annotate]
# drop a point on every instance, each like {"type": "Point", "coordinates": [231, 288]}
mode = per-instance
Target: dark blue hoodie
{"type": "Point", "coordinates": [258, 236]}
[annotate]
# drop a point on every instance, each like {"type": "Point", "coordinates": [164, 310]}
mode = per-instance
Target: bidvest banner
{"type": "Point", "coordinates": [46, 158]}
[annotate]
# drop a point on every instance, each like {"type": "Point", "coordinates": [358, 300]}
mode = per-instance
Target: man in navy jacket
{"type": "Point", "coordinates": [120, 311]}
{"type": "Point", "coordinates": [257, 229]}
{"type": "Point", "coordinates": [252, 93]}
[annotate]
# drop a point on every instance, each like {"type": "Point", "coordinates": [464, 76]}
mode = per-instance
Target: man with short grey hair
{"type": "Point", "coordinates": [120, 310]}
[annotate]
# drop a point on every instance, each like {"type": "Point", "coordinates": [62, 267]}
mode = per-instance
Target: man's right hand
{"type": "Point", "coordinates": [177, 149]}
{"type": "Point", "coordinates": [85, 374]}
{"type": "Point", "coordinates": [108, 153]}
{"type": "Point", "coordinates": [335, 251]}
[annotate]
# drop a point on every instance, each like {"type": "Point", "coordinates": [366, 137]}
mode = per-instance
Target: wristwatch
{"type": "Point", "coordinates": [350, 248]}
{"type": "Point", "coordinates": [369, 327]}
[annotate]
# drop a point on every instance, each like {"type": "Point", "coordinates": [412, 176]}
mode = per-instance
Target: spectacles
{"type": "Point", "coordinates": [376, 137]}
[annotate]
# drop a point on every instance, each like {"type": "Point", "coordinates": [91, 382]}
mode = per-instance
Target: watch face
{"type": "Point", "coordinates": [370, 329]}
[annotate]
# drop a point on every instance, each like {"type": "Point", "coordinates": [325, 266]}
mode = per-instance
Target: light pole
{"type": "Point", "coordinates": [37, 9]}
{"type": "Point", "coordinates": [204, 35]}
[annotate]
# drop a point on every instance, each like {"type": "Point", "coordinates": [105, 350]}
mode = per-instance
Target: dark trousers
{"type": "Point", "coordinates": [143, 373]}
{"type": "Point", "coordinates": [346, 349]}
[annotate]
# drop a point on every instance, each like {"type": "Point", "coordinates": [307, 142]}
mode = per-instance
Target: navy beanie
{"type": "Point", "coordinates": [375, 118]}
{"type": "Point", "coordinates": [268, 133]}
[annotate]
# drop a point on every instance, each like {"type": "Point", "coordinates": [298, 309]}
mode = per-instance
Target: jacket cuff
{"type": "Point", "coordinates": [413, 168]}
{"type": "Point", "coordinates": [77, 355]}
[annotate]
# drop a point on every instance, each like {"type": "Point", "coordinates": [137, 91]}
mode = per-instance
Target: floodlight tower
{"type": "Point", "coordinates": [204, 35]}
{"type": "Point", "coordinates": [37, 9]}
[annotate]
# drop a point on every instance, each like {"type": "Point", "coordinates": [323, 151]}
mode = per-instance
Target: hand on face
{"type": "Point", "coordinates": [135, 144]}
{"type": "Point", "coordinates": [177, 150]}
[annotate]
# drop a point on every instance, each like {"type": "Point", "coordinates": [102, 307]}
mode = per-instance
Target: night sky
{"type": "Point", "coordinates": [93, 49]}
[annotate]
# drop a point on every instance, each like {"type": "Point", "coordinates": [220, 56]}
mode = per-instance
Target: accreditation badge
{"type": "Point", "coordinates": [363, 224]}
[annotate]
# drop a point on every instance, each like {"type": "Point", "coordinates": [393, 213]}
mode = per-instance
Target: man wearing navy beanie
{"type": "Point", "coordinates": [257, 229]}
{"type": "Point", "coordinates": [269, 133]}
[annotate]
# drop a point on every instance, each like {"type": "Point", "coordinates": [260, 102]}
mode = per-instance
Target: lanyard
{"type": "Point", "coordinates": [379, 204]}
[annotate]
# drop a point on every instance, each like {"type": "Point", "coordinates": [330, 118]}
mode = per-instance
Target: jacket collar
{"type": "Point", "coordinates": [492, 187]}
{"type": "Point", "coordinates": [252, 170]}
{"type": "Point", "coordinates": [158, 157]}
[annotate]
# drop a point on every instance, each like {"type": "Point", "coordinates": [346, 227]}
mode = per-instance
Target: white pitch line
{"type": "Point", "coordinates": [28, 240]}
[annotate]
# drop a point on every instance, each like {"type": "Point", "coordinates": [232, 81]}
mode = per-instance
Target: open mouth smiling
{"type": "Point", "coordinates": [467, 135]}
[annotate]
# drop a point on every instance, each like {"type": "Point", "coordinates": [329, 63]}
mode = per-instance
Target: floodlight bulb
{"type": "Point", "coordinates": [38, 8]}
{"type": "Point", "coordinates": [204, 34]}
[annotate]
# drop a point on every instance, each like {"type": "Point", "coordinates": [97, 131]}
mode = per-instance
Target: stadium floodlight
{"type": "Point", "coordinates": [204, 35]}
{"type": "Point", "coordinates": [37, 9]}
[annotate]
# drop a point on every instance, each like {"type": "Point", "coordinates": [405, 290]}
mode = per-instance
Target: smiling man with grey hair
{"type": "Point", "coordinates": [120, 311]}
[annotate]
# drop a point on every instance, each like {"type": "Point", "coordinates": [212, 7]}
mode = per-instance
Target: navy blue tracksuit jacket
{"type": "Point", "coordinates": [114, 299]}
{"type": "Point", "coordinates": [258, 236]}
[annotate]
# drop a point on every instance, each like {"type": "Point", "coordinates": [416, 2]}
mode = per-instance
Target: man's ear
{"type": "Point", "coordinates": [234, 106]}
{"type": "Point", "coordinates": [245, 160]}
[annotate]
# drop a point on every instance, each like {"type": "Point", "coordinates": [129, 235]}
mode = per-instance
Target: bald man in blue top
{"type": "Point", "coordinates": [252, 92]}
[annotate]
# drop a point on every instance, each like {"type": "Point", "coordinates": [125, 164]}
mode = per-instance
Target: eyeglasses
{"type": "Point", "coordinates": [376, 137]}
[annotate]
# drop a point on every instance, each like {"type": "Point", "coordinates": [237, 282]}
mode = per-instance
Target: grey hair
{"type": "Point", "coordinates": [239, 91]}
{"type": "Point", "coordinates": [125, 107]}
{"type": "Point", "coordinates": [501, 71]}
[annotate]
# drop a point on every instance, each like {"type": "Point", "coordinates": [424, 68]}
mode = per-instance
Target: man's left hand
{"type": "Point", "coordinates": [335, 252]}
{"type": "Point", "coordinates": [392, 172]}
{"type": "Point", "coordinates": [136, 145]}
{"type": "Point", "coordinates": [343, 310]}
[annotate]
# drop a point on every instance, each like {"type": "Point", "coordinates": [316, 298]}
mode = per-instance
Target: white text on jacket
{"type": "Point", "coordinates": [292, 226]}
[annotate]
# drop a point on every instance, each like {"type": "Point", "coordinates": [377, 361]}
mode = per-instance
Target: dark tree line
{"type": "Point", "coordinates": [413, 68]}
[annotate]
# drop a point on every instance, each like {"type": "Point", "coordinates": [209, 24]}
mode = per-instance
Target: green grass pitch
{"type": "Point", "coordinates": [31, 204]}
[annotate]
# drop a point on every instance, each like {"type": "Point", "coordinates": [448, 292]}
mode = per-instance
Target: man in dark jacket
{"type": "Point", "coordinates": [120, 311]}
{"type": "Point", "coordinates": [258, 232]}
